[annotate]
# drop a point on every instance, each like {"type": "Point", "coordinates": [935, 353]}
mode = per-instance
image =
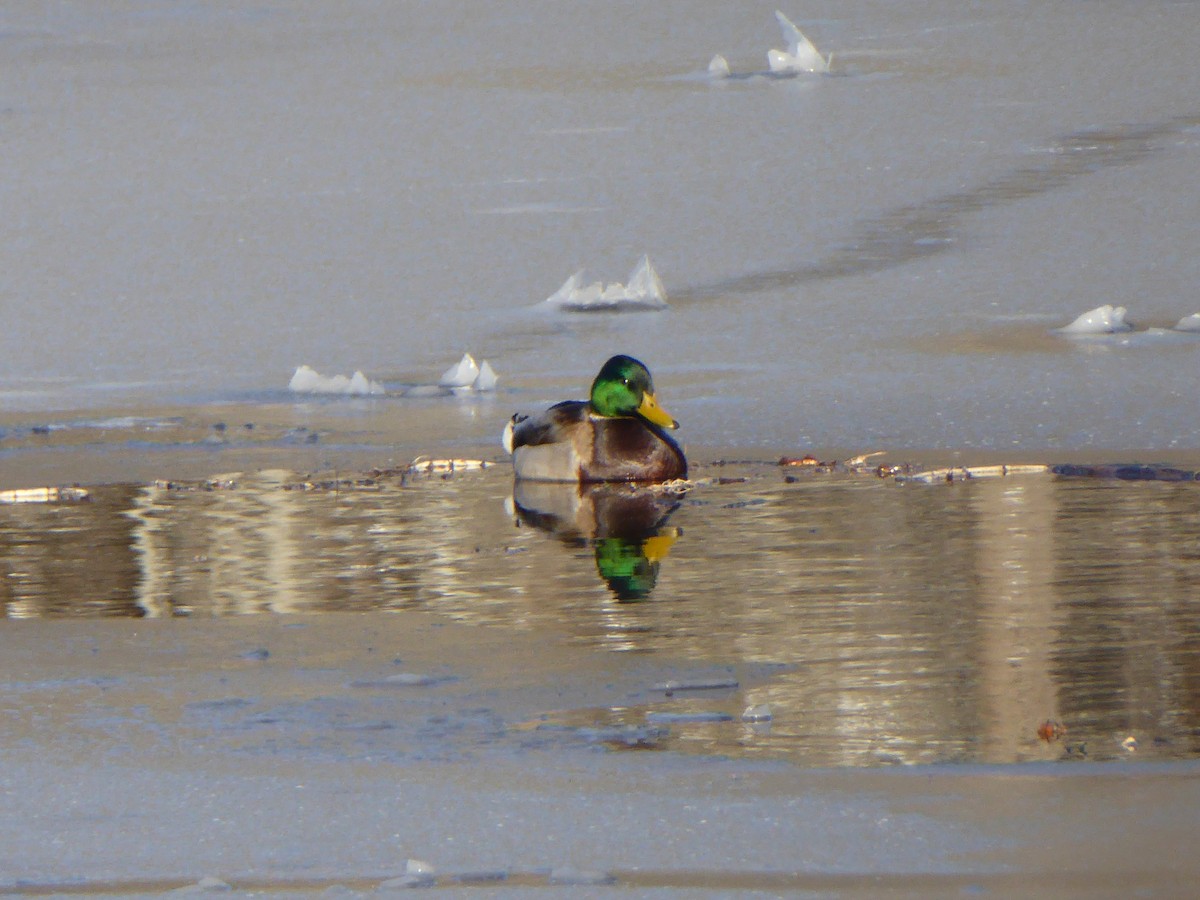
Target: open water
{"type": "Point", "coordinates": [869, 623]}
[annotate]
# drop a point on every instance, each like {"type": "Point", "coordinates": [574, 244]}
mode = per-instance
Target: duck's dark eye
{"type": "Point", "coordinates": [625, 381]}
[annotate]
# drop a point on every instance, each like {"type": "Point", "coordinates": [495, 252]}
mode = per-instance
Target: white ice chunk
{"type": "Point", "coordinates": [462, 374]}
{"type": "Point", "coordinates": [759, 713]}
{"type": "Point", "coordinates": [588, 295]}
{"type": "Point", "coordinates": [644, 284]}
{"type": "Point", "coordinates": [569, 288]}
{"type": "Point", "coordinates": [800, 56]}
{"type": "Point", "coordinates": [1105, 319]}
{"type": "Point", "coordinates": [486, 379]}
{"type": "Point", "coordinates": [307, 380]}
{"type": "Point", "coordinates": [360, 384]}
{"type": "Point", "coordinates": [1189, 323]}
{"type": "Point", "coordinates": [613, 293]}
{"type": "Point", "coordinates": [718, 67]}
{"type": "Point", "coordinates": [644, 290]}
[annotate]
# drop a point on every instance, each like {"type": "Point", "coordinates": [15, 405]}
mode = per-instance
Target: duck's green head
{"type": "Point", "coordinates": [624, 388]}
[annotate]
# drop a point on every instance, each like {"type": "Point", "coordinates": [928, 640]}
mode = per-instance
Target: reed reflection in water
{"type": "Point", "coordinates": [898, 623]}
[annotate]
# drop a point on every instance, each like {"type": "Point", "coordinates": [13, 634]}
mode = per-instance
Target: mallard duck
{"type": "Point", "coordinates": [617, 435]}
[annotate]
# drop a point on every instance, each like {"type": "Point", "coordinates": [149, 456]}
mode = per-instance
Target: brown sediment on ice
{"type": "Point", "coordinates": [187, 446]}
{"type": "Point", "coordinates": [449, 467]}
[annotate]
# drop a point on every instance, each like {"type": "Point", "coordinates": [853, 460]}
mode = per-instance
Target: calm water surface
{"type": "Point", "coordinates": [880, 622]}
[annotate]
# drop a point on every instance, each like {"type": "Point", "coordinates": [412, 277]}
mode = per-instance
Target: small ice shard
{"type": "Point", "coordinates": [1189, 323]}
{"type": "Point", "coordinates": [486, 379]}
{"type": "Point", "coordinates": [644, 290]}
{"type": "Point", "coordinates": [718, 67]}
{"type": "Point", "coordinates": [461, 374]}
{"type": "Point", "coordinates": [360, 384]}
{"type": "Point", "coordinates": [800, 56]}
{"type": "Point", "coordinates": [307, 380]}
{"type": "Point", "coordinates": [644, 284]}
{"type": "Point", "coordinates": [1105, 319]}
{"type": "Point", "coordinates": [465, 375]}
{"type": "Point", "coordinates": [567, 292]}
{"type": "Point", "coordinates": [759, 713]}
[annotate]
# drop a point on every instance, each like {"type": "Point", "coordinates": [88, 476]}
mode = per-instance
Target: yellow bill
{"type": "Point", "coordinates": [652, 412]}
{"type": "Point", "coordinates": [657, 547]}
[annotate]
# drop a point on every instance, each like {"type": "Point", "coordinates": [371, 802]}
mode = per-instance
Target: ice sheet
{"type": "Point", "coordinates": [913, 229]}
{"type": "Point", "coordinates": [240, 745]}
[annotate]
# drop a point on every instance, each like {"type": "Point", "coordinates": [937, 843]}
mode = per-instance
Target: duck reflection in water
{"type": "Point", "coordinates": [625, 524]}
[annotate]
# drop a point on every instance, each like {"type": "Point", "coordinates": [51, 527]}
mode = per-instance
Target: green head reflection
{"type": "Point", "coordinates": [630, 566]}
{"type": "Point", "coordinates": [626, 525]}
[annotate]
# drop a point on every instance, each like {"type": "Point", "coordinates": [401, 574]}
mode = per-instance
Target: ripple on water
{"type": "Point", "coordinates": [885, 623]}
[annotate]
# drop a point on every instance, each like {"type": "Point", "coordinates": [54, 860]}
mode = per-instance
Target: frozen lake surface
{"type": "Point", "coordinates": [202, 198]}
{"type": "Point", "coordinates": [309, 675]}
